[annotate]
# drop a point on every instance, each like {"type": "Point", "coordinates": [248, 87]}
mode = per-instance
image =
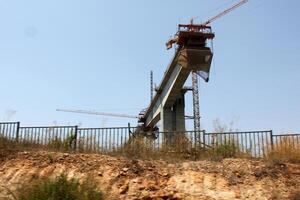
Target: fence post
{"type": "Point", "coordinates": [17, 131]}
{"type": "Point", "coordinates": [75, 137]}
{"type": "Point", "coordinates": [129, 131]}
{"type": "Point", "coordinates": [272, 142]}
{"type": "Point", "coordinates": [204, 145]}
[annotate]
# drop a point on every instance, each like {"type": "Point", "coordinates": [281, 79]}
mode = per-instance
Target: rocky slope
{"type": "Point", "coordinates": [121, 178]}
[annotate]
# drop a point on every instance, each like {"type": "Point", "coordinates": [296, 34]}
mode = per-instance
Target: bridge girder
{"type": "Point", "coordinates": [183, 63]}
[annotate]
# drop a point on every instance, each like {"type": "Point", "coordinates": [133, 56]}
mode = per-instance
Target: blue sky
{"type": "Point", "coordinates": [97, 55]}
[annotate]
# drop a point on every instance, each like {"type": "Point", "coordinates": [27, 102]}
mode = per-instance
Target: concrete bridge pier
{"type": "Point", "coordinates": [173, 118]}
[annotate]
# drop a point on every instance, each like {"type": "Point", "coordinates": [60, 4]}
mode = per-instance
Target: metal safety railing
{"type": "Point", "coordinates": [287, 140]}
{"type": "Point", "coordinates": [10, 130]}
{"type": "Point", "coordinates": [104, 140]}
{"type": "Point", "coordinates": [255, 143]}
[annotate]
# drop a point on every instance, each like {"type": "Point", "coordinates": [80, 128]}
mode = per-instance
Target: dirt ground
{"type": "Point", "coordinates": [121, 178]}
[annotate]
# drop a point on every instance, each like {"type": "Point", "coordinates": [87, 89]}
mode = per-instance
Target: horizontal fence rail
{"type": "Point", "coordinates": [106, 140]}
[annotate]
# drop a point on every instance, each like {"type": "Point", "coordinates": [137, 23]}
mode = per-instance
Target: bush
{"type": "Point", "coordinates": [137, 146]}
{"type": "Point", "coordinates": [178, 143]}
{"type": "Point", "coordinates": [224, 146]}
{"type": "Point", "coordinates": [171, 149]}
{"type": "Point", "coordinates": [64, 145]}
{"type": "Point", "coordinates": [227, 149]}
{"type": "Point", "coordinates": [59, 189]}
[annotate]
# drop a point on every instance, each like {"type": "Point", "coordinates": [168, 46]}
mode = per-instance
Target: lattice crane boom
{"type": "Point", "coordinates": [225, 12]}
{"type": "Point", "coordinates": [97, 113]}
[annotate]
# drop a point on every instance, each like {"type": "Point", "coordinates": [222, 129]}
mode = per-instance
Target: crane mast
{"type": "Point", "coordinates": [196, 104]}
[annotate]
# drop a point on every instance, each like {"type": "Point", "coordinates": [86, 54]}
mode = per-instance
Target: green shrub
{"type": "Point", "coordinates": [59, 189]}
{"type": "Point", "coordinates": [227, 149]}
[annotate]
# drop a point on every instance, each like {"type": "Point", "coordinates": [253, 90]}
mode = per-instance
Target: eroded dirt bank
{"type": "Point", "coordinates": [121, 178]}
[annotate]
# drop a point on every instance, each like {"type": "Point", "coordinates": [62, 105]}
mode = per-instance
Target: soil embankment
{"type": "Point", "coordinates": [121, 178]}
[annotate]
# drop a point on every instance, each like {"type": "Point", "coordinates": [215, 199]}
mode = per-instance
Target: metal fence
{"type": "Point", "coordinates": [68, 137]}
{"type": "Point", "coordinates": [103, 140]}
{"type": "Point", "coordinates": [255, 143]}
{"type": "Point", "coordinates": [287, 140]}
{"type": "Point", "coordinates": [52, 135]}
{"type": "Point", "coordinates": [9, 130]}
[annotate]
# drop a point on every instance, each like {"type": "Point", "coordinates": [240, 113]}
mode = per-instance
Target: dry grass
{"type": "Point", "coordinates": [54, 144]}
{"type": "Point", "coordinates": [66, 144]}
{"type": "Point", "coordinates": [283, 152]}
{"type": "Point", "coordinates": [178, 148]}
{"type": "Point", "coordinates": [137, 147]}
{"type": "Point", "coordinates": [8, 148]}
{"type": "Point", "coordinates": [7, 143]}
{"type": "Point", "coordinates": [227, 149]}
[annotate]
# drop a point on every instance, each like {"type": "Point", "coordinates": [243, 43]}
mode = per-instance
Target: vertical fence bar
{"type": "Point", "coordinates": [3, 130]}
{"type": "Point", "coordinates": [75, 137]}
{"type": "Point", "coordinates": [129, 131]}
{"type": "Point", "coordinates": [203, 138]}
{"type": "Point", "coordinates": [17, 131]}
{"type": "Point", "coordinates": [271, 138]}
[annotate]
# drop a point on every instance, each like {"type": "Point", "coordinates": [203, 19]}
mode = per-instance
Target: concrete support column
{"type": "Point", "coordinates": [167, 124]}
{"type": "Point", "coordinates": [173, 119]}
{"type": "Point", "coordinates": [179, 115]}
{"type": "Point", "coordinates": [166, 119]}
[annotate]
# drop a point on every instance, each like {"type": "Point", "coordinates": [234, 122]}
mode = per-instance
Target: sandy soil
{"type": "Point", "coordinates": [121, 178]}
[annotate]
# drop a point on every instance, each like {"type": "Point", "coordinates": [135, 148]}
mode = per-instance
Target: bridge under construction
{"type": "Point", "coordinates": [193, 56]}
